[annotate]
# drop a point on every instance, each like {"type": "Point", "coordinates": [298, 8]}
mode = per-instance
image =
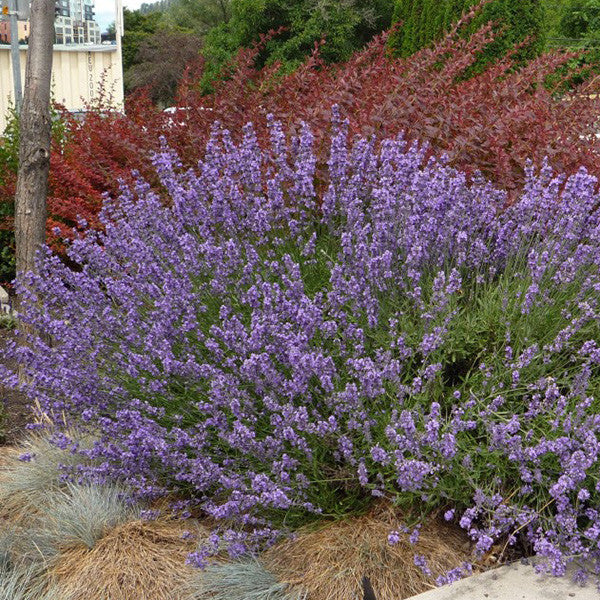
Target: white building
{"type": "Point", "coordinates": [81, 74]}
{"type": "Point", "coordinates": [75, 22]}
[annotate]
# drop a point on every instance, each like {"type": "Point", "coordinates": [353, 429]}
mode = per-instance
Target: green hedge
{"type": "Point", "coordinates": [426, 20]}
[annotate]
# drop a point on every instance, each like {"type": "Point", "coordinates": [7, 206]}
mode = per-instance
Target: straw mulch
{"type": "Point", "coordinates": [329, 563]}
{"type": "Point", "coordinates": [136, 561]}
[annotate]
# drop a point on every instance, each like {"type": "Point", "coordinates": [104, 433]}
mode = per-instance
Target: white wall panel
{"type": "Point", "coordinates": [77, 73]}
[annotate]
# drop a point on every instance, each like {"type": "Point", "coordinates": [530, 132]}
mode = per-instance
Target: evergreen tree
{"type": "Point", "coordinates": [412, 39]}
{"type": "Point", "coordinates": [426, 20]}
{"type": "Point", "coordinates": [580, 19]}
{"type": "Point", "coordinates": [138, 27]}
{"type": "Point", "coordinates": [401, 15]}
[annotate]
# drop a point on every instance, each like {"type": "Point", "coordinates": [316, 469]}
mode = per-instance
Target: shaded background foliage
{"type": "Point", "coordinates": [165, 32]}
{"type": "Point", "coordinates": [161, 59]}
{"type": "Point", "coordinates": [226, 26]}
{"type": "Point", "coordinates": [9, 161]}
{"type": "Point", "coordinates": [346, 26]}
{"type": "Point", "coordinates": [575, 24]}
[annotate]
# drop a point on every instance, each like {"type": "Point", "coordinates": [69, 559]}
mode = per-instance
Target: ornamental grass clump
{"type": "Point", "coordinates": [272, 359]}
{"type": "Point", "coordinates": [80, 515]}
{"type": "Point", "coordinates": [30, 473]}
{"type": "Point", "coordinates": [239, 580]}
{"type": "Point", "coordinates": [22, 575]}
{"type": "Point", "coordinates": [20, 583]}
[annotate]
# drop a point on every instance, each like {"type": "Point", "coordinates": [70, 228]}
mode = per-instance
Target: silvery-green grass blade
{"type": "Point", "coordinates": [26, 483]}
{"type": "Point", "coordinates": [81, 514]}
{"type": "Point", "coordinates": [19, 545]}
{"type": "Point", "coordinates": [22, 582]}
{"type": "Point", "coordinates": [240, 580]}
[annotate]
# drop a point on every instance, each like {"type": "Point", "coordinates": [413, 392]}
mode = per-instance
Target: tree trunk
{"type": "Point", "coordinates": [34, 139]}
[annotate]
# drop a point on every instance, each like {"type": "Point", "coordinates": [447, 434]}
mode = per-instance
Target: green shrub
{"type": "Point", "coordinates": [427, 20]}
{"type": "Point", "coordinates": [9, 162]}
{"type": "Point", "coordinates": [9, 159]}
{"type": "Point", "coordinates": [346, 26]}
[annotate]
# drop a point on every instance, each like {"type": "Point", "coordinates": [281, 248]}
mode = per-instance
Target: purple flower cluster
{"type": "Point", "coordinates": [260, 347]}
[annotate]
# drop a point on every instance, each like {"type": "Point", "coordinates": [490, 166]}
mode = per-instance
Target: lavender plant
{"type": "Point", "coordinates": [270, 357]}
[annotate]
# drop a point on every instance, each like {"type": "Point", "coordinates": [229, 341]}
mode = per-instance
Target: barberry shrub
{"type": "Point", "coordinates": [493, 122]}
{"type": "Point", "coordinates": [269, 360]}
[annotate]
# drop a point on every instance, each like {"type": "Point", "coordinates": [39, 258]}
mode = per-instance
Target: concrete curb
{"type": "Point", "coordinates": [516, 581]}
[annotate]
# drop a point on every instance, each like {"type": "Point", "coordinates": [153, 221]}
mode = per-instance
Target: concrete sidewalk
{"type": "Point", "coordinates": [512, 582]}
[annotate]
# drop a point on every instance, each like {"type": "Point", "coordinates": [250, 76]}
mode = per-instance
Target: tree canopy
{"type": "Point", "coordinates": [162, 38]}
{"type": "Point", "coordinates": [345, 25]}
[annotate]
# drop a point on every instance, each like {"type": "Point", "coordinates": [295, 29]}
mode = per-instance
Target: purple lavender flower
{"type": "Point", "coordinates": [262, 349]}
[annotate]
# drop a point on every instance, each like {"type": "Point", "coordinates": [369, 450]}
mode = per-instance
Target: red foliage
{"type": "Point", "coordinates": [96, 155]}
{"type": "Point", "coordinates": [493, 122]}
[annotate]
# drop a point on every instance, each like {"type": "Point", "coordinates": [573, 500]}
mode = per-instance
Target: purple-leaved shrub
{"type": "Point", "coordinates": [267, 358]}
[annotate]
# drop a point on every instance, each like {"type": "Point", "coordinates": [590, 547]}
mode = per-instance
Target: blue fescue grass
{"type": "Point", "coordinates": [239, 580]}
{"type": "Point", "coordinates": [82, 514]}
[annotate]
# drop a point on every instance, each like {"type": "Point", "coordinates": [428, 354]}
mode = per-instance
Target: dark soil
{"type": "Point", "coordinates": [14, 406]}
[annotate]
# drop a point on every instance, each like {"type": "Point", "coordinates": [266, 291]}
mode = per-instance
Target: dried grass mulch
{"type": "Point", "coordinates": [141, 560]}
{"type": "Point", "coordinates": [330, 562]}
